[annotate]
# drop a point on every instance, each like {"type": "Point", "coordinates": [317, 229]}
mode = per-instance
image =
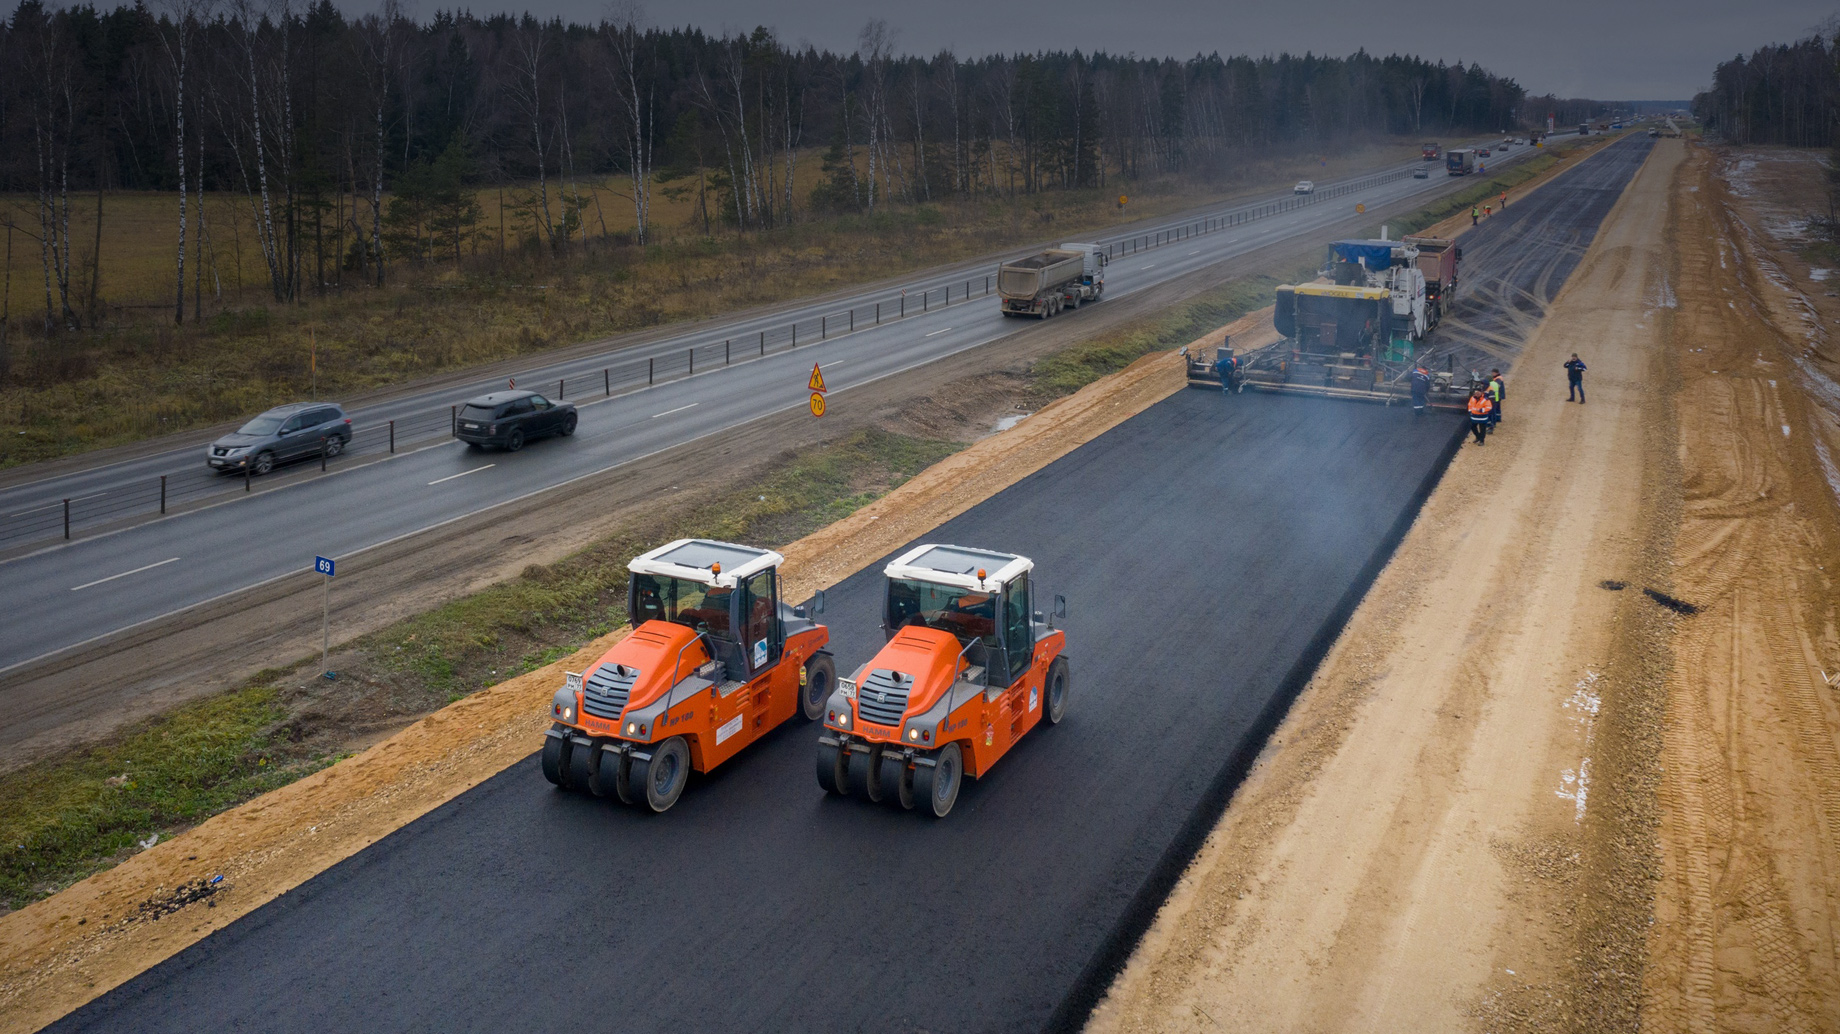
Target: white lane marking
{"type": "Point", "coordinates": [124, 574]}
{"type": "Point", "coordinates": [840, 362]}
{"type": "Point", "coordinates": [1197, 251]}
{"type": "Point", "coordinates": [1150, 266]}
{"type": "Point", "coordinates": [935, 333]}
{"type": "Point", "coordinates": [679, 409]}
{"type": "Point", "coordinates": [463, 473]}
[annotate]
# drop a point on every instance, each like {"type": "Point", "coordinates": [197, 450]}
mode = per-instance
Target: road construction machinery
{"type": "Point", "coordinates": [1044, 284]}
{"type": "Point", "coordinates": [967, 669]}
{"type": "Point", "coordinates": [1357, 331]}
{"type": "Point", "coordinates": [1460, 161]}
{"type": "Point", "coordinates": [714, 662]}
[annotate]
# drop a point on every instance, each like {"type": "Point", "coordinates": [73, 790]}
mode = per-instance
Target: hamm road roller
{"type": "Point", "coordinates": [714, 662]}
{"type": "Point", "coordinates": [967, 668]}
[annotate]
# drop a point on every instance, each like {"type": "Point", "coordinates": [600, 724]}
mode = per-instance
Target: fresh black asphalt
{"type": "Point", "coordinates": [1209, 548]}
{"type": "Point", "coordinates": [1202, 546]}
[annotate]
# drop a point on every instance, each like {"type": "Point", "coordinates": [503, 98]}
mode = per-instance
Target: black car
{"type": "Point", "coordinates": [510, 418]}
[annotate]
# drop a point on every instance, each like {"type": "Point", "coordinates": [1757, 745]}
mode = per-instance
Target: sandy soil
{"type": "Point", "coordinates": [1444, 835]}
{"type": "Point", "coordinates": [1745, 935]}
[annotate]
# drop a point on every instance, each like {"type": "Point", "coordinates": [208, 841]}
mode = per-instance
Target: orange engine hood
{"type": "Point", "coordinates": [654, 648]}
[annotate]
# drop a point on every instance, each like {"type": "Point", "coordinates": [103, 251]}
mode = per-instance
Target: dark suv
{"type": "Point", "coordinates": [283, 433]}
{"type": "Point", "coordinates": [511, 418]}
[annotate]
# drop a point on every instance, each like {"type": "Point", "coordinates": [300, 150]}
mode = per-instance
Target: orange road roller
{"type": "Point", "coordinates": [714, 662]}
{"type": "Point", "coordinates": [967, 669]}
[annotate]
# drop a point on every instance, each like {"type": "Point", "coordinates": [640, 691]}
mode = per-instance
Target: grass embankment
{"type": "Point", "coordinates": [62, 819]}
{"type": "Point", "coordinates": [135, 375]}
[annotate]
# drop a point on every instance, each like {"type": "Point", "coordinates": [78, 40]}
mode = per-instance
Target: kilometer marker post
{"type": "Point", "coordinates": [324, 566]}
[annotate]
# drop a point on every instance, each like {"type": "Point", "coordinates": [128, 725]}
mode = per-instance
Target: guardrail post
{"type": "Point", "coordinates": [562, 384]}
{"type": "Point", "coordinates": [795, 334]}
{"type": "Point", "coordinates": [607, 380]}
{"type": "Point", "coordinates": [824, 328]}
{"type": "Point", "coordinates": [763, 342]}
{"type": "Point", "coordinates": [926, 298]}
{"type": "Point", "coordinates": [651, 368]}
{"type": "Point", "coordinates": [66, 520]}
{"type": "Point", "coordinates": [453, 420]}
{"type": "Point", "coordinates": [852, 319]}
{"type": "Point", "coordinates": [725, 352]}
{"type": "Point", "coordinates": [246, 474]}
{"type": "Point", "coordinates": [162, 493]}
{"type": "Point", "coordinates": [878, 314]}
{"type": "Point", "coordinates": [322, 454]}
{"type": "Point", "coordinates": [904, 305]}
{"type": "Point", "coordinates": [692, 361]}
{"type": "Point", "coordinates": [392, 438]}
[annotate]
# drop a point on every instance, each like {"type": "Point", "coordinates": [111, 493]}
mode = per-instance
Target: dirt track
{"type": "Point", "coordinates": [1747, 931]}
{"type": "Point", "coordinates": [1416, 852]}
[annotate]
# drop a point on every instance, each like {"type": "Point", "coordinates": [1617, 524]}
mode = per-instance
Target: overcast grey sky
{"type": "Point", "coordinates": [1610, 49]}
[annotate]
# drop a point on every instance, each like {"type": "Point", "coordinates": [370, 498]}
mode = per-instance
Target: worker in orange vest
{"type": "Point", "coordinates": [1504, 200]}
{"type": "Point", "coordinates": [1479, 410]}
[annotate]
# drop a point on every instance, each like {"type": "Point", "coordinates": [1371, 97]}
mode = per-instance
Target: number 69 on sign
{"type": "Point", "coordinates": [322, 565]}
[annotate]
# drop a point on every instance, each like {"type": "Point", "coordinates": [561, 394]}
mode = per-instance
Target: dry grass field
{"type": "Point", "coordinates": [132, 374]}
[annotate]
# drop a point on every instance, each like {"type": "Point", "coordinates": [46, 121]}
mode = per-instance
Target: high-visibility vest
{"type": "Point", "coordinates": [1480, 406]}
{"type": "Point", "coordinates": [1495, 391]}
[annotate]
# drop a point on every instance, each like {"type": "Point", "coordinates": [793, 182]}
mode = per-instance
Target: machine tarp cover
{"type": "Point", "coordinates": [1378, 254]}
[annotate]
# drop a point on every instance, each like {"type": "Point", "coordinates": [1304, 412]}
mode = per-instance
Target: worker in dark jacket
{"type": "Point", "coordinates": [1228, 369]}
{"type": "Point", "coordinates": [1479, 414]}
{"type": "Point", "coordinates": [1574, 376]}
{"type": "Point", "coordinates": [1497, 391]}
{"type": "Point", "coordinates": [1421, 389]}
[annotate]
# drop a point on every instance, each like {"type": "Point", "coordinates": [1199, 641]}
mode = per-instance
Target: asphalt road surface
{"type": "Point", "coordinates": [80, 591]}
{"type": "Point", "coordinates": [1210, 549]}
{"type": "Point", "coordinates": [1207, 547]}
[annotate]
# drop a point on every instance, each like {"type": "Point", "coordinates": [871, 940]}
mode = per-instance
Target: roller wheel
{"type": "Point", "coordinates": [661, 780]}
{"type": "Point", "coordinates": [897, 780]}
{"type": "Point", "coordinates": [580, 773]}
{"type": "Point", "coordinates": [515, 440]}
{"type": "Point", "coordinates": [833, 769]}
{"type": "Point", "coordinates": [612, 771]}
{"type": "Point", "coordinates": [866, 773]}
{"type": "Point", "coordinates": [556, 750]}
{"type": "Point", "coordinates": [936, 788]}
{"type": "Point", "coordinates": [1060, 680]}
{"type": "Point", "coordinates": [820, 678]}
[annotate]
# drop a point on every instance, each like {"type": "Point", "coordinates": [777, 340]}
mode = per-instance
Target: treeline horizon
{"type": "Point", "coordinates": [1784, 94]}
{"type": "Point", "coordinates": [356, 143]}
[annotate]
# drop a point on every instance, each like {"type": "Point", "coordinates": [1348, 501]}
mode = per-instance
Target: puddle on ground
{"type": "Point", "coordinates": [1008, 422]}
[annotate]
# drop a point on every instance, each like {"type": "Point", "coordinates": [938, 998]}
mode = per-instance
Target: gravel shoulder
{"type": "Point", "coordinates": [1451, 830]}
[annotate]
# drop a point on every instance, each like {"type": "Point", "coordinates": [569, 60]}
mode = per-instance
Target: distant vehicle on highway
{"type": "Point", "coordinates": [1482, 152]}
{"type": "Point", "coordinates": [1304, 187]}
{"type": "Point", "coordinates": [1421, 173]}
{"type": "Point", "coordinates": [284, 433]}
{"type": "Point", "coordinates": [508, 419]}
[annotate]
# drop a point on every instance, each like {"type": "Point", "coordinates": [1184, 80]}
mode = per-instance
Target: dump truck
{"type": "Point", "coordinates": [1460, 161]}
{"type": "Point", "coordinates": [1437, 261]}
{"type": "Point", "coordinates": [714, 662]}
{"type": "Point", "coordinates": [1356, 331]}
{"type": "Point", "coordinates": [1060, 277]}
{"type": "Point", "coordinates": [967, 669]}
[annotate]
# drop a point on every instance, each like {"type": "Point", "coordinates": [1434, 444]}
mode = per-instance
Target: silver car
{"type": "Point", "coordinates": [284, 433]}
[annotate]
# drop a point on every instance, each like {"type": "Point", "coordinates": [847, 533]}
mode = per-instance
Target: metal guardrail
{"type": "Point", "coordinates": [150, 496]}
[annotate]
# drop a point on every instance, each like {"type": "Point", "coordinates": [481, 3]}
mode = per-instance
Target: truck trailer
{"type": "Point", "coordinates": [1460, 161]}
{"type": "Point", "coordinates": [1043, 284]}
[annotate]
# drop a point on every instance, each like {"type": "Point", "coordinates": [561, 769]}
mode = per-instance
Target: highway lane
{"type": "Point", "coordinates": [1210, 549]}
{"type": "Point", "coordinates": [1205, 547]}
{"type": "Point", "coordinates": [246, 540]}
{"type": "Point", "coordinates": [102, 480]}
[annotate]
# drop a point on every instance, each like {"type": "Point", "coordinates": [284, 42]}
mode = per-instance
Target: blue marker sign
{"type": "Point", "coordinates": [322, 565]}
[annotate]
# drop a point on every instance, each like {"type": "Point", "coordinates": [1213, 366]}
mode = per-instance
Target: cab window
{"type": "Point", "coordinates": [966, 613]}
{"type": "Point", "coordinates": [761, 637]}
{"type": "Point", "coordinates": [1018, 636]}
{"type": "Point", "coordinates": [687, 603]}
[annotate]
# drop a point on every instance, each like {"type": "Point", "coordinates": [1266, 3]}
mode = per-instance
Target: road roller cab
{"type": "Point", "coordinates": [967, 668]}
{"type": "Point", "coordinates": [714, 662]}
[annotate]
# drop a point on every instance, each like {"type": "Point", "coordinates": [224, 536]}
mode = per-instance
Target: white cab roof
{"type": "Point", "coordinates": [958, 566]}
{"type": "Point", "coordinates": [695, 560]}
